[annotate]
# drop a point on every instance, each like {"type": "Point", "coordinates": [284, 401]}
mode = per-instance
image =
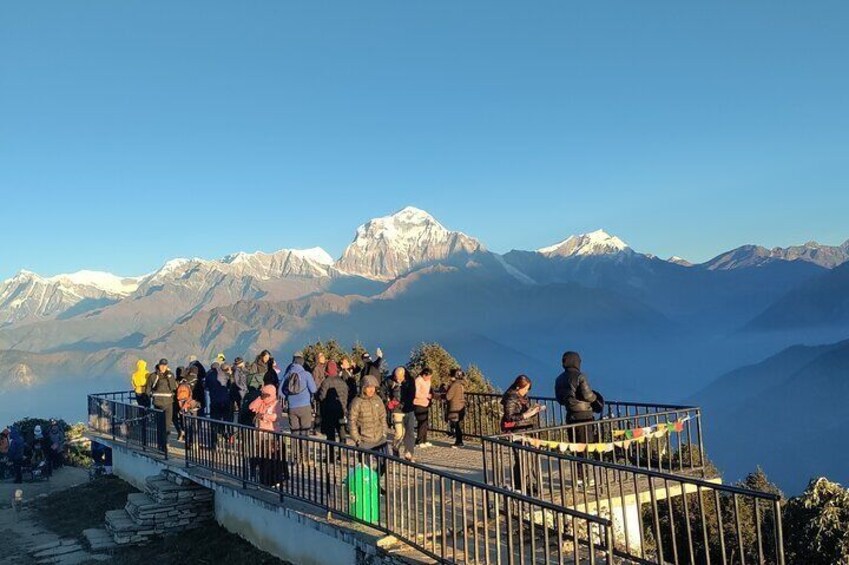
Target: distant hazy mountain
{"type": "Point", "coordinates": [819, 302]}
{"type": "Point", "coordinates": [388, 247]}
{"type": "Point", "coordinates": [754, 256]}
{"type": "Point", "coordinates": [786, 414]}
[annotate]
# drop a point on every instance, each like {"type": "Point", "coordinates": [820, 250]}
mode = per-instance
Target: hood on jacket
{"type": "Point", "coordinates": [141, 366]}
{"type": "Point", "coordinates": [270, 390]}
{"type": "Point", "coordinates": [37, 432]}
{"type": "Point", "coordinates": [571, 360]}
{"type": "Point", "coordinates": [332, 369]}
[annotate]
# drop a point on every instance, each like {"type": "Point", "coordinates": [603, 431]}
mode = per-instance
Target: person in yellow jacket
{"type": "Point", "coordinates": [139, 380]}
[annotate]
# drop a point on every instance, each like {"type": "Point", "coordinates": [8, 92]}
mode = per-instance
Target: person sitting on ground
{"type": "Point", "coordinates": [333, 398]}
{"type": "Point", "coordinates": [298, 387]}
{"type": "Point", "coordinates": [421, 403]}
{"type": "Point", "coordinates": [455, 405]}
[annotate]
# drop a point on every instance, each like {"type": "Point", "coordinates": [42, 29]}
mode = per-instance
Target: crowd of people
{"type": "Point", "coordinates": [339, 398]}
{"type": "Point", "coordinates": [343, 400]}
{"type": "Point", "coordinates": [40, 454]}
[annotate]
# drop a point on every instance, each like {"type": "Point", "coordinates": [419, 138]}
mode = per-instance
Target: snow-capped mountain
{"type": "Point", "coordinates": [594, 243]}
{"type": "Point", "coordinates": [679, 261]}
{"type": "Point", "coordinates": [388, 247]}
{"type": "Point", "coordinates": [828, 256]}
{"type": "Point", "coordinates": [28, 296]}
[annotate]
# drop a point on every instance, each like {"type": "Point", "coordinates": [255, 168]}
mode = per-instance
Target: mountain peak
{"type": "Point", "coordinates": [389, 246]}
{"type": "Point", "coordinates": [598, 242]}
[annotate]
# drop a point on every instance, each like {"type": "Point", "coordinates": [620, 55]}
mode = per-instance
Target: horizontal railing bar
{"type": "Point", "coordinates": [636, 470]}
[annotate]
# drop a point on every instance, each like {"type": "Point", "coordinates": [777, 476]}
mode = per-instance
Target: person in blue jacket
{"type": "Point", "coordinates": [298, 387]}
{"type": "Point", "coordinates": [16, 453]}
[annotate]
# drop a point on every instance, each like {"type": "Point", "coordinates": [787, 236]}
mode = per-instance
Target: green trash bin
{"type": "Point", "coordinates": [364, 494]}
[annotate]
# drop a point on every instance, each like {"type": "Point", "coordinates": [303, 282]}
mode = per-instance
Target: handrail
{"type": "Point", "coordinates": [664, 525]}
{"type": "Point", "coordinates": [114, 414]}
{"type": "Point", "coordinates": [447, 517]}
{"type": "Point", "coordinates": [483, 412]}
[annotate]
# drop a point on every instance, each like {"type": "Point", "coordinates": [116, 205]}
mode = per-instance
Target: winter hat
{"type": "Point", "coordinates": [163, 361]}
{"type": "Point", "coordinates": [366, 355]}
{"type": "Point", "coordinates": [332, 369]}
{"type": "Point", "coordinates": [37, 432]}
{"type": "Point", "coordinates": [220, 358]}
{"type": "Point", "coordinates": [238, 360]}
{"type": "Point", "coordinates": [571, 360]}
{"type": "Point", "coordinates": [370, 380]}
{"type": "Point", "coordinates": [270, 390]}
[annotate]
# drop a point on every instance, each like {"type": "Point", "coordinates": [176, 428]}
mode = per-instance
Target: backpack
{"type": "Point", "coordinates": [185, 400]}
{"type": "Point", "coordinates": [294, 384]}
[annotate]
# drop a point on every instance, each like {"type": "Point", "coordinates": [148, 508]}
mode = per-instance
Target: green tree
{"type": "Point", "coordinates": [331, 349]}
{"type": "Point", "coordinates": [438, 360]}
{"type": "Point", "coordinates": [815, 525]}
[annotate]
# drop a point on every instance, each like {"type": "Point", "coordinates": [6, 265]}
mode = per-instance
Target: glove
{"type": "Point", "coordinates": [379, 352]}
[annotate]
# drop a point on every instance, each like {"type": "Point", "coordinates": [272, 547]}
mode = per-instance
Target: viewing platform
{"type": "Point", "coordinates": [640, 492]}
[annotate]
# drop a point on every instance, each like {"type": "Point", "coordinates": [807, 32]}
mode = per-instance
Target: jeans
{"type": "Point", "coordinates": [399, 431]}
{"type": "Point", "coordinates": [410, 432]}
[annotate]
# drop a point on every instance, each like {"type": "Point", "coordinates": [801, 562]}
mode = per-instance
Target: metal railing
{"type": "Point", "coordinates": [657, 517]}
{"type": "Point", "coordinates": [116, 414]}
{"type": "Point", "coordinates": [483, 413]}
{"type": "Point", "coordinates": [678, 448]}
{"type": "Point", "coordinates": [448, 518]}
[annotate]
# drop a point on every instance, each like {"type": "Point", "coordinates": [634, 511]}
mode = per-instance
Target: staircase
{"type": "Point", "coordinates": [170, 504]}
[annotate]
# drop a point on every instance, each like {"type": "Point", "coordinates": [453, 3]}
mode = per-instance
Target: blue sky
{"type": "Point", "coordinates": [133, 132]}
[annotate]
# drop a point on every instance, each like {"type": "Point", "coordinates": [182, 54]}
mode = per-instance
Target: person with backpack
{"type": "Point", "coordinates": [139, 380]}
{"type": "Point", "coordinates": [162, 388]}
{"type": "Point", "coordinates": [573, 391]}
{"type": "Point", "coordinates": [421, 404]}
{"type": "Point", "coordinates": [186, 403]}
{"type": "Point", "coordinates": [333, 400]}
{"type": "Point", "coordinates": [298, 387]}
{"type": "Point", "coordinates": [455, 406]}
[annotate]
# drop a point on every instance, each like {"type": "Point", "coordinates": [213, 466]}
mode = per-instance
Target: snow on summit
{"type": "Point", "coordinates": [598, 242]}
{"type": "Point", "coordinates": [389, 246]}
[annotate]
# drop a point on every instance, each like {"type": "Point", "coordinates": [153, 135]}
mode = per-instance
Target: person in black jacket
{"type": "Point", "coordinates": [372, 367]}
{"type": "Point", "coordinates": [333, 399]}
{"type": "Point", "coordinates": [573, 390]}
{"type": "Point", "coordinates": [161, 387]}
{"type": "Point", "coordinates": [520, 415]}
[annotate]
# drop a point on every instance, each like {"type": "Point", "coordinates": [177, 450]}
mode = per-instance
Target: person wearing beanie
{"type": "Point", "coordinates": [367, 417]}
{"type": "Point", "coordinates": [161, 387]}
{"type": "Point", "coordinates": [455, 400]}
{"type": "Point", "coordinates": [333, 402]}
